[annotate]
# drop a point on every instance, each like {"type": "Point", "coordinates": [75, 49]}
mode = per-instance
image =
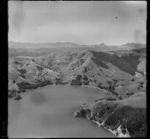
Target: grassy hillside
{"type": "Point", "coordinates": [119, 72]}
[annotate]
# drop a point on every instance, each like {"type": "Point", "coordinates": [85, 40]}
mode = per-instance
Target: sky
{"type": "Point", "coordinates": [81, 22]}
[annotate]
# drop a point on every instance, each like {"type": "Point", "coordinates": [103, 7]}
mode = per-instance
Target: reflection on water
{"type": "Point", "coordinates": [37, 98]}
{"type": "Point", "coordinates": [48, 112]}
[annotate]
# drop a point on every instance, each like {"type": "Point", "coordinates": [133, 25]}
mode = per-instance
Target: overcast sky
{"type": "Point", "coordinates": [85, 22]}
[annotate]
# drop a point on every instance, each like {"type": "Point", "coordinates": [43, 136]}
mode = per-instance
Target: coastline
{"type": "Point", "coordinates": [17, 95]}
{"type": "Point", "coordinates": [117, 132]}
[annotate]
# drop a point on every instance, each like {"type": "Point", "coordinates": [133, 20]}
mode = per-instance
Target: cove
{"type": "Point", "coordinates": [48, 112]}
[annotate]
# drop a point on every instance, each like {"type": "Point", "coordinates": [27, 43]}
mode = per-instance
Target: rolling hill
{"type": "Point", "coordinates": [122, 72]}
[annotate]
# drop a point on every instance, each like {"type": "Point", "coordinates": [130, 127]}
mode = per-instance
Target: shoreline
{"type": "Point", "coordinates": [117, 132]}
{"type": "Point", "coordinates": [85, 86]}
{"type": "Point", "coordinates": [102, 126]}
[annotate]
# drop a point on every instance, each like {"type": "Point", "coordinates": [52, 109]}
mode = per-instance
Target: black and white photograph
{"type": "Point", "coordinates": [77, 69]}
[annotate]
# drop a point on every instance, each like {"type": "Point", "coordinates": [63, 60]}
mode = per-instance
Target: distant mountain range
{"type": "Point", "coordinates": [31, 49]}
{"type": "Point", "coordinates": [70, 44]}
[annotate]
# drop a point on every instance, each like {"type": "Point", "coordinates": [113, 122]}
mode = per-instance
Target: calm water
{"type": "Point", "coordinates": [48, 112]}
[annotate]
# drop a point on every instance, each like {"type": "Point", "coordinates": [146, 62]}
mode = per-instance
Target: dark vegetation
{"type": "Point", "coordinates": [127, 63]}
{"type": "Point", "coordinates": [111, 99]}
{"type": "Point", "coordinates": [140, 51]}
{"type": "Point", "coordinates": [59, 81]}
{"type": "Point", "coordinates": [11, 93]}
{"type": "Point", "coordinates": [39, 68]}
{"type": "Point", "coordinates": [133, 79]}
{"type": "Point", "coordinates": [135, 120]}
{"type": "Point", "coordinates": [22, 72]}
{"type": "Point", "coordinates": [99, 99]}
{"type": "Point", "coordinates": [43, 83]}
{"type": "Point", "coordinates": [137, 125]}
{"type": "Point", "coordinates": [120, 97]}
{"type": "Point", "coordinates": [78, 77]}
{"type": "Point", "coordinates": [86, 83]}
{"type": "Point", "coordinates": [81, 113]}
{"type": "Point", "coordinates": [24, 85]}
{"type": "Point", "coordinates": [130, 94]}
{"type": "Point", "coordinates": [17, 63]}
{"type": "Point", "coordinates": [141, 85]}
{"type": "Point", "coordinates": [85, 70]}
{"type": "Point", "coordinates": [22, 75]}
{"type": "Point", "coordinates": [18, 97]}
{"type": "Point", "coordinates": [82, 61]}
{"type": "Point", "coordinates": [77, 80]}
{"type": "Point", "coordinates": [111, 86]}
{"type": "Point", "coordinates": [132, 59]}
{"type": "Point", "coordinates": [85, 80]}
{"type": "Point", "coordinates": [102, 87]}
